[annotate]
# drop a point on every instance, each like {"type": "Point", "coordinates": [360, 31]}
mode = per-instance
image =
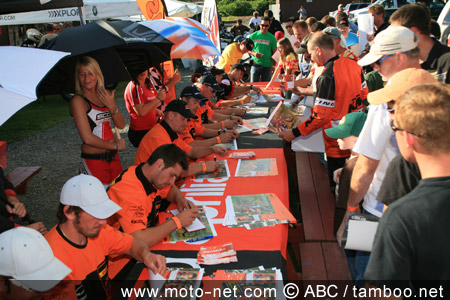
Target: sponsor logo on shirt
{"type": "Point", "coordinates": [324, 102]}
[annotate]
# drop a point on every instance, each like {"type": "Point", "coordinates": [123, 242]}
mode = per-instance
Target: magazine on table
{"type": "Point", "coordinates": [257, 167]}
{"type": "Point", "coordinates": [282, 118]}
{"type": "Point", "coordinates": [255, 211]}
{"type": "Point", "coordinates": [221, 172]}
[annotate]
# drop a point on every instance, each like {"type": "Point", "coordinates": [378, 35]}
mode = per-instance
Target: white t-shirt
{"type": "Point", "coordinates": [255, 21]}
{"type": "Point", "coordinates": [377, 141]}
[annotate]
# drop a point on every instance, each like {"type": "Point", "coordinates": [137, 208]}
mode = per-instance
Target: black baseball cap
{"type": "Point", "coordinates": [240, 67]}
{"type": "Point", "coordinates": [180, 107]}
{"type": "Point", "coordinates": [210, 80]}
{"type": "Point", "coordinates": [248, 44]}
{"type": "Point", "coordinates": [216, 71]}
{"type": "Point", "coordinates": [193, 91]}
{"type": "Point", "coordinates": [202, 70]}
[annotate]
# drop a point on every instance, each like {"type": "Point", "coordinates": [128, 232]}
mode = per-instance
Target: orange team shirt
{"type": "Point", "coordinates": [139, 199]}
{"type": "Point", "coordinates": [159, 135]}
{"type": "Point", "coordinates": [205, 112]}
{"type": "Point", "coordinates": [89, 264]}
{"type": "Point", "coordinates": [192, 130]}
{"type": "Point", "coordinates": [340, 90]}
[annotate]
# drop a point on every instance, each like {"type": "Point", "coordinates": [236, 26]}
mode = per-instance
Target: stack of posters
{"type": "Point", "coordinates": [260, 98]}
{"type": "Point", "coordinates": [257, 167]}
{"type": "Point", "coordinates": [231, 145]}
{"type": "Point", "coordinates": [243, 282]}
{"type": "Point", "coordinates": [257, 110]}
{"type": "Point", "coordinates": [196, 236]}
{"type": "Point", "coordinates": [221, 172]}
{"type": "Point", "coordinates": [176, 281]}
{"type": "Point", "coordinates": [255, 211]}
{"type": "Point", "coordinates": [254, 124]}
{"type": "Point", "coordinates": [214, 255]}
{"type": "Point", "coordinates": [242, 155]}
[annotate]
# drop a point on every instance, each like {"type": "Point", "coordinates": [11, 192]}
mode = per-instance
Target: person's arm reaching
{"type": "Point", "coordinates": [362, 177]}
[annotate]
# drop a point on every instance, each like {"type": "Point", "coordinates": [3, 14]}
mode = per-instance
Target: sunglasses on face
{"type": "Point", "coordinates": [396, 128]}
{"type": "Point", "coordinates": [288, 26]}
{"type": "Point", "coordinates": [264, 25]}
{"type": "Point", "coordinates": [378, 62]}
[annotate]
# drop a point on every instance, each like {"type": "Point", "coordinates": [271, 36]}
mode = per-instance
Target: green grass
{"type": "Point", "coordinates": [41, 114]}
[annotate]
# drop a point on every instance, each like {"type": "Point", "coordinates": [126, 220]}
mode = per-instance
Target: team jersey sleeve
{"type": "Point", "coordinates": [324, 101]}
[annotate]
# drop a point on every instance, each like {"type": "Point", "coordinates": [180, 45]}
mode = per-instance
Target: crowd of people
{"type": "Point", "coordinates": [382, 110]}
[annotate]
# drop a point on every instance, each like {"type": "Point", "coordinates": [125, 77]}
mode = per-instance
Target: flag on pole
{"type": "Point", "coordinates": [210, 19]}
{"type": "Point", "coordinates": [153, 9]}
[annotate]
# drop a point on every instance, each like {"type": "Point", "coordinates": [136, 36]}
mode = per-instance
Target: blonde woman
{"type": "Point", "coordinates": [288, 61]}
{"type": "Point", "coordinates": [92, 108]}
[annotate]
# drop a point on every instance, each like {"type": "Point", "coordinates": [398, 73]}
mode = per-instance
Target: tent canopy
{"type": "Point", "coordinates": [15, 6]}
{"type": "Point", "coordinates": [93, 10]}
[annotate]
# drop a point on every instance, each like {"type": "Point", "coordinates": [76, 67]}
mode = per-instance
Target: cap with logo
{"type": "Point", "coordinates": [335, 33]}
{"type": "Point", "coordinates": [27, 257]}
{"type": "Point", "coordinates": [211, 81]}
{"type": "Point", "coordinates": [88, 193]}
{"type": "Point", "coordinates": [399, 84]}
{"type": "Point", "coordinates": [342, 20]}
{"type": "Point", "coordinates": [180, 107]}
{"type": "Point", "coordinates": [193, 91]}
{"type": "Point", "coordinates": [303, 45]}
{"type": "Point", "coordinates": [390, 41]}
{"type": "Point", "coordinates": [350, 125]}
{"type": "Point", "coordinates": [202, 70]}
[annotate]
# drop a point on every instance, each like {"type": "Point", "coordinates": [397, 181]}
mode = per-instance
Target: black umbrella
{"type": "Point", "coordinates": [122, 48]}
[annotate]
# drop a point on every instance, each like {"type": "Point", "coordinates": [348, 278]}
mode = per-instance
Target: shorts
{"type": "Point", "coordinates": [105, 171]}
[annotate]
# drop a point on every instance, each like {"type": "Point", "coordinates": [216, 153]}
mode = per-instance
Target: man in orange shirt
{"type": "Point", "coordinates": [176, 117]}
{"type": "Point", "coordinates": [145, 190]}
{"type": "Point", "coordinates": [83, 241]}
{"type": "Point", "coordinates": [209, 137]}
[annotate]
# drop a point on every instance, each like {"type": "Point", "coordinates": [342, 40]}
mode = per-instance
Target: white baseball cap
{"type": "Point", "coordinates": [390, 41]}
{"type": "Point", "coordinates": [26, 256]}
{"type": "Point", "coordinates": [88, 192]}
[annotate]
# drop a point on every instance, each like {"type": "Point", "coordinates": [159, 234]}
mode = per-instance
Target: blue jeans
{"type": "Point", "coordinates": [357, 261]}
{"type": "Point", "coordinates": [259, 73]}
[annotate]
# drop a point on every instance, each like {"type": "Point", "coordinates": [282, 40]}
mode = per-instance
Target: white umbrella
{"type": "Point", "coordinates": [22, 70]}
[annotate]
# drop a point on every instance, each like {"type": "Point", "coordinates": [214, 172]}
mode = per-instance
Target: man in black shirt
{"type": "Point", "coordinates": [412, 243]}
{"type": "Point", "coordinates": [417, 18]}
{"type": "Point", "coordinates": [275, 25]}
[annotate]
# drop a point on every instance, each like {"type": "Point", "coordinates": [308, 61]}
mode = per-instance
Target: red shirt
{"type": "Point", "coordinates": [137, 94]}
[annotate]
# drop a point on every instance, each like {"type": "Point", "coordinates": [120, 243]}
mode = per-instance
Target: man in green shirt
{"type": "Point", "coordinates": [265, 47]}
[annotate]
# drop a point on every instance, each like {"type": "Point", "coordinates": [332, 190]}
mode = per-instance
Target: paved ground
{"type": "Point", "coordinates": [57, 151]}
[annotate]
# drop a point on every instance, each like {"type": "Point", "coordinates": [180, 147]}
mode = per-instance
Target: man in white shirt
{"type": "Point", "coordinates": [394, 50]}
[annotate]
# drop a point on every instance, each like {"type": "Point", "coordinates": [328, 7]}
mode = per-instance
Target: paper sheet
{"type": "Point", "coordinates": [361, 234]}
